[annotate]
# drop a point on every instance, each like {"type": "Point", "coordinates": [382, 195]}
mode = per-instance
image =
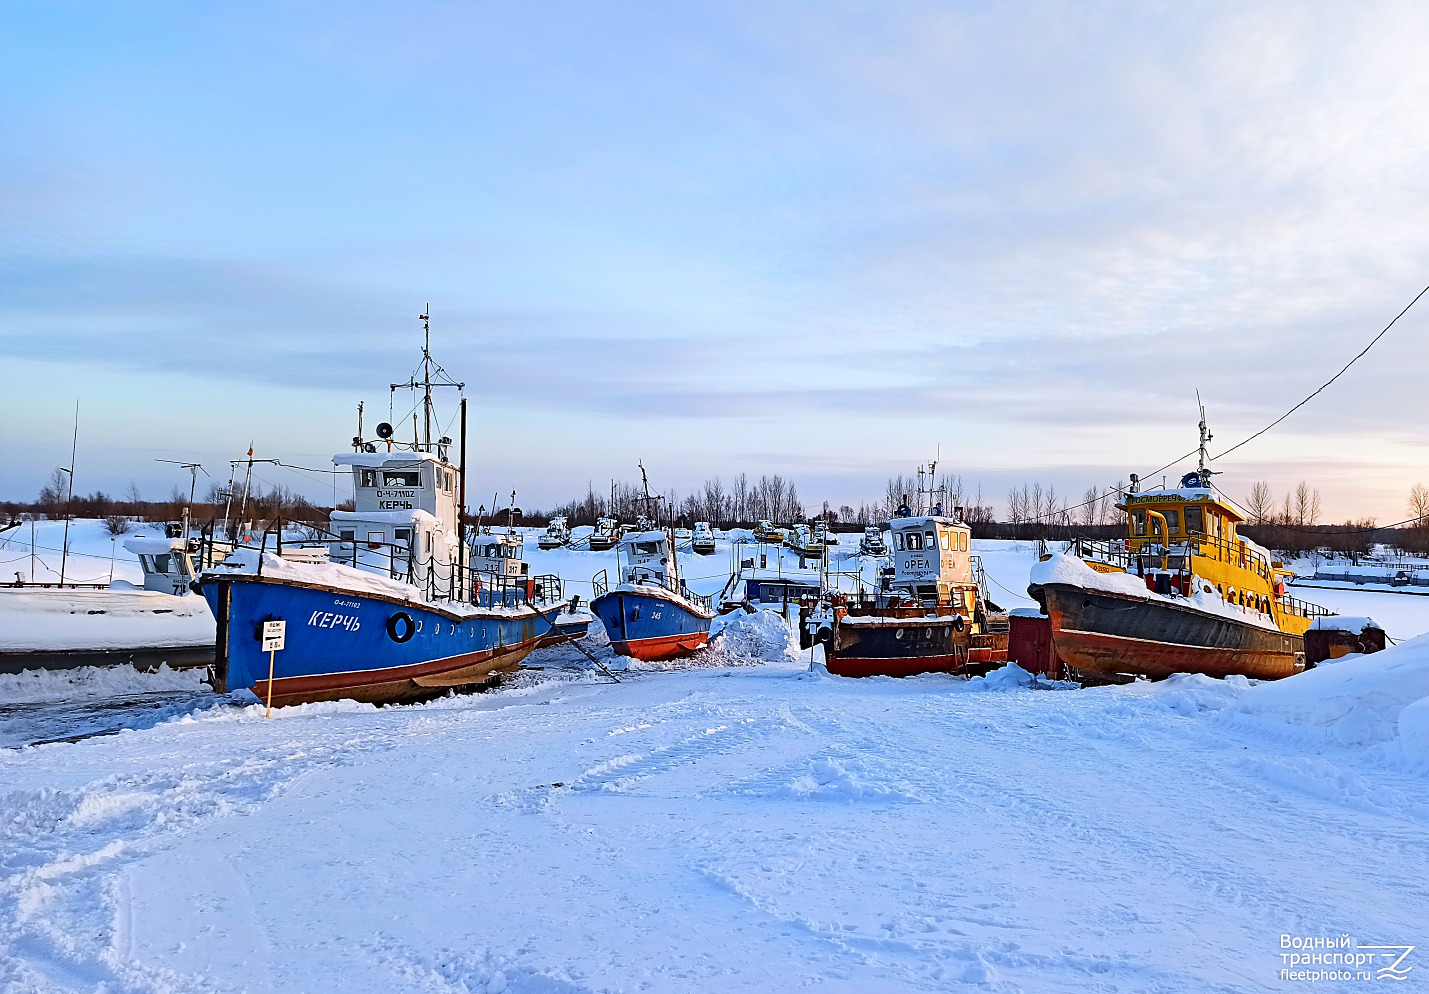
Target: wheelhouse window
{"type": "Point", "coordinates": [375, 539]}
{"type": "Point", "coordinates": [390, 479]}
{"type": "Point", "coordinates": [1138, 522]}
{"type": "Point", "coordinates": [404, 535]}
{"type": "Point", "coordinates": [947, 541]}
{"type": "Point", "coordinates": [915, 542]}
{"type": "Point", "coordinates": [347, 535]}
{"type": "Point", "coordinates": [898, 541]}
{"type": "Point", "coordinates": [647, 548]}
{"type": "Point", "coordinates": [1173, 519]}
{"type": "Point", "coordinates": [1195, 525]}
{"type": "Point", "coordinates": [369, 478]}
{"type": "Point", "coordinates": [930, 541]}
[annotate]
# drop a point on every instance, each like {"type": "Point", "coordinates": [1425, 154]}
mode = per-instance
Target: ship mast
{"type": "Point", "coordinates": [669, 522]}
{"type": "Point", "coordinates": [1201, 470]}
{"type": "Point", "coordinates": [426, 383]}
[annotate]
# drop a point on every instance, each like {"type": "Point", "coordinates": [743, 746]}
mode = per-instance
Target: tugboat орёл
{"type": "Point", "coordinates": [930, 615]}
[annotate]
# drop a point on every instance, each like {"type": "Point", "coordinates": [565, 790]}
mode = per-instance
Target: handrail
{"type": "Point", "coordinates": [1257, 563]}
{"type": "Point", "coordinates": [437, 579]}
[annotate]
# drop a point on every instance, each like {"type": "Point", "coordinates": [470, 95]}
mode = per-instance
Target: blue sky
{"type": "Point", "coordinates": [816, 239]}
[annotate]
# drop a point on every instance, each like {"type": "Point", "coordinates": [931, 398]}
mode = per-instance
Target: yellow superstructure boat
{"type": "Point", "coordinates": [1184, 592]}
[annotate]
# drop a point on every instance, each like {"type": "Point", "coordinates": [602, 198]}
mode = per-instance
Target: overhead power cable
{"type": "Point", "coordinates": [1332, 379]}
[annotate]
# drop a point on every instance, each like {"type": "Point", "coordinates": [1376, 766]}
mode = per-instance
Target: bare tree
{"type": "Point", "coordinates": [1089, 506]}
{"type": "Point", "coordinates": [52, 494]}
{"type": "Point", "coordinates": [793, 509]}
{"type": "Point", "coordinates": [741, 498]}
{"type": "Point", "coordinates": [1307, 505]}
{"type": "Point", "coordinates": [1419, 505]}
{"type": "Point", "coordinates": [1260, 503]}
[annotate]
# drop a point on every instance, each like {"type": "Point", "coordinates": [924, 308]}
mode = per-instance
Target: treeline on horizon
{"type": "Point", "coordinates": [1290, 523]}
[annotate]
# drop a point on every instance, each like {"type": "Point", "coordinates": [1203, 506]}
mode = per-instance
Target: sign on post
{"type": "Point", "coordinates": [274, 633]}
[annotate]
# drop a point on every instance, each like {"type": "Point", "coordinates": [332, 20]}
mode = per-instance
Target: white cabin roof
{"type": "Point", "coordinates": [373, 460]}
{"type": "Point", "coordinates": [926, 519]}
{"type": "Point", "coordinates": [652, 536]}
{"type": "Point", "coordinates": [142, 545]}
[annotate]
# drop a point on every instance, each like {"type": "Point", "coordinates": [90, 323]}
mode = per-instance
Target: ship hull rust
{"type": "Point", "coordinates": [1113, 635]}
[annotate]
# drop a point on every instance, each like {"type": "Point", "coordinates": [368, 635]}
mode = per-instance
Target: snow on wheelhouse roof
{"type": "Point", "coordinates": [1176, 493]}
{"type": "Point", "coordinates": [374, 460]}
{"type": "Point", "coordinates": [650, 536]}
{"type": "Point", "coordinates": [143, 545]}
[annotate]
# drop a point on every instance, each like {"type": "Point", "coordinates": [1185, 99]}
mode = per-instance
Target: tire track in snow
{"type": "Point", "coordinates": [61, 910]}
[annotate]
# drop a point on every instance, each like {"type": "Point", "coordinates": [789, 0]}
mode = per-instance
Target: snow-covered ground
{"type": "Point", "coordinates": [760, 827]}
{"type": "Point", "coordinates": [737, 822]}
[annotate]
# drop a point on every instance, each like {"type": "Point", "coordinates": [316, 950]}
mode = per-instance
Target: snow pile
{"type": "Point", "coordinates": [1368, 700]}
{"type": "Point", "coordinates": [1009, 677]}
{"type": "Point", "coordinates": [1344, 623]}
{"type": "Point", "coordinates": [761, 637]}
{"type": "Point", "coordinates": [830, 779]}
{"type": "Point", "coordinates": [37, 686]}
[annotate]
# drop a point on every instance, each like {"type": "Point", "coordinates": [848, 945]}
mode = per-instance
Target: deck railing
{"type": "Point", "coordinates": [437, 579]}
{"type": "Point", "coordinates": [1177, 560]}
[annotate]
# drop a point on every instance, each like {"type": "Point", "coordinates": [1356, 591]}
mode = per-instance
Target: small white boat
{"type": "Point", "coordinates": [702, 539]}
{"type": "Point", "coordinates": [558, 533]}
{"type": "Point", "coordinates": [766, 533]}
{"type": "Point", "coordinates": [606, 534]}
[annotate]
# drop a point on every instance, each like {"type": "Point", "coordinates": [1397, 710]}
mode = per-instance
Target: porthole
{"type": "Point", "coordinates": [898, 634]}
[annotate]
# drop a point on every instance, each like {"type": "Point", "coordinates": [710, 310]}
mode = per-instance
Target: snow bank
{"type": "Point", "coordinates": [39, 686]}
{"type": "Point", "coordinates": [55, 620]}
{"type": "Point", "coordinates": [1363, 700]}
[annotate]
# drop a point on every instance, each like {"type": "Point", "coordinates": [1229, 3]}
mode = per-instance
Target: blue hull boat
{"type": "Point", "coordinates": [650, 622]}
{"type": "Point", "coordinates": [365, 646]}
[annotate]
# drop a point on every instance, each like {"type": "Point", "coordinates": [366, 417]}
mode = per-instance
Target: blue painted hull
{"type": "Point", "coordinates": [361, 646]}
{"type": "Point", "coordinates": [650, 625]}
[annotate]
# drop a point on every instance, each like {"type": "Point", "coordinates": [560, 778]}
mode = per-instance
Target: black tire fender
{"type": "Point", "coordinates": [401, 627]}
{"type": "Point", "coordinates": [958, 623]}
